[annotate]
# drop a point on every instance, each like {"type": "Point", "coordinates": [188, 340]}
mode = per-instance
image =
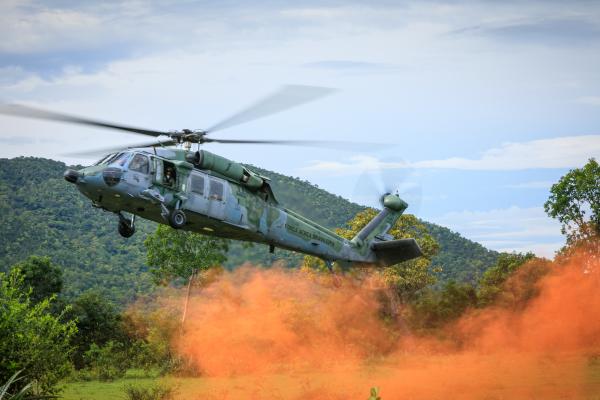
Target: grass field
{"type": "Point", "coordinates": [97, 390]}
{"type": "Point", "coordinates": [417, 379]}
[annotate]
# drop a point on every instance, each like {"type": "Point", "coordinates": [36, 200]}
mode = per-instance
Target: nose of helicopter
{"type": "Point", "coordinates": [71, 175]}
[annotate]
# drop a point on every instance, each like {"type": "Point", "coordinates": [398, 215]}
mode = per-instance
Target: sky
{"type": "Point", "coordinates": [481, 105]}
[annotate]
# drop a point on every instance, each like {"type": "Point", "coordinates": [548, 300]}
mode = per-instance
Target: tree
{"type": "Point", "coordinates": [492, 281]}
{"type": "Point", "coordinates": [575, 202]}
{"type": "Point", "coordinates": [406, 278]}
{"type": "Point", "coordinates": [179, 254]}
{"type": "Point", "coordinates": [32, 339]}
{"type": "Point", "coordinates": [98, 322]}
{"type": "Point", "coordinates": [43, 277]}
{"type": "Point", "coordinates": [108, 362]}
{"type": "Point", "coordinates": [434, 308]}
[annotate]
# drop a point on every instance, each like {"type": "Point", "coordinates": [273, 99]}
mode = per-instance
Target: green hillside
{"type": "Point", "coordinates": [44, 215]}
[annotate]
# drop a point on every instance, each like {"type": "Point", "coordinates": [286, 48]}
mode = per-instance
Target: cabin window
{"type": "Point", "coordinates": [197, 184]}
{"type": "Point", "coordinates": [139, 164]}
{"type": "Point", "coordinates": [216, 190]}
{"type": "Point", "coordinates": [170, 174]}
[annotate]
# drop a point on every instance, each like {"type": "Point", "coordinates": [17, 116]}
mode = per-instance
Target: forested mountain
{"type": "Point", "coordinates": [44, 215]}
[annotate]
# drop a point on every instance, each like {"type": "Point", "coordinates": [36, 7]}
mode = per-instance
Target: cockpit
{"type": "Point", "coordinates": [164, 172]}
{"type": "Point", "coordinates": [139, 162]}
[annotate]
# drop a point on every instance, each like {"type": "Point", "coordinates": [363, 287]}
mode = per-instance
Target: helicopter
{"type": "Point", "coordinates": [206, 193]}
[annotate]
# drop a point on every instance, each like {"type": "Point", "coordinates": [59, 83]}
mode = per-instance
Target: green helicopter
{"type": "Point", "coordinates": [206, 193]}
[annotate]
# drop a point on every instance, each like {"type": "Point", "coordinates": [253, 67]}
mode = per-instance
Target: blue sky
{"type": "Point", "coordinates": [486, 103]}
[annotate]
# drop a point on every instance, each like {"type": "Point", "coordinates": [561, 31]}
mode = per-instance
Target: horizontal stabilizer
{"type": "Point", "coordinates": [395, 251]}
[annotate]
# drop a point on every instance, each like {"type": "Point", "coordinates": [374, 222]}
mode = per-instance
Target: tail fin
{"type": "Point", "coordinates": [374, 235]}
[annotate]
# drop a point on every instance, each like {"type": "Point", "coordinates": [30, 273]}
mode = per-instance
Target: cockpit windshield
{"type": "Point", "coordinates": [114, 158]}
{"type": "Point", "coordinates": [121, 159]}
{"type": "Point", "coordinates": [104, 159]}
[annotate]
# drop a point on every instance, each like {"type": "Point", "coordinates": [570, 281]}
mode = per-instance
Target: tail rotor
{"type": "Point", "coordinates": [389, 176]}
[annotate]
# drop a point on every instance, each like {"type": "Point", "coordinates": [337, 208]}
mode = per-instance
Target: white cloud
{"type": "Point", "coordinates": [359, 164]}
{"type": "Point", "coordinates": [589, 100]}
{"type": "Point", "coordinates": [541, 249]}
{"type": "Point", "coordinates": [560, 152]}
{"type": "Point", "coordinates": [532, 185]}
{"type": "Point", "coordinates": [510, 229]}
{"type": "Point", "coordinates": [47, 29]}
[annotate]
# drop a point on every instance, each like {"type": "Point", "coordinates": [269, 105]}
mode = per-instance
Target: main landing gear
{"type": "Point", "coordinates": [126, 226]}
{"type": "Point", "coordinates": [177, 219]}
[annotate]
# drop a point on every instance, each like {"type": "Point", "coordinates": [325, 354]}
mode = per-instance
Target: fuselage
{"type": "Point", "coordinates": [144, 182]}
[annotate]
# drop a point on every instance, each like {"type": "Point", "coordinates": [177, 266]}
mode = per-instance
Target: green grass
{"type": "Point", "coordinates": [305, 385]}
{"type": "Point", "coordinates": [97, 390]}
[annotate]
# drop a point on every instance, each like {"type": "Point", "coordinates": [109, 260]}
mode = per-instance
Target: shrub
{"type": "Point", "coordinates": [23, 393]}
{"type": "Point", "coordinates": [108, 362]}
{"type": "Point", "coordinates": [156, 392]}
{"type": "Point", "coordinates": [374, 394]}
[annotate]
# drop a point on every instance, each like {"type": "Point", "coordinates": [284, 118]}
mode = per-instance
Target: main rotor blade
{"type": "Point", "coordinates": [114, 149]}
{"type": "Point", "coordinates": [17, 110]}
{"type": "Point", "coordinates": [287, 97]}
{"type": "Point", "coordinates": [304, 143]}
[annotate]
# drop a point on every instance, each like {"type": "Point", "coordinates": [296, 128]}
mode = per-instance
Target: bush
{"type": "Point", "coordinates": [152, 332]}
{"type": "Point", "coordinates": [437, 307]}
{"type": "Point", "coordinates": [98, 321]}
{"type": "Point", "coordinates": [33, 340]}
{"type": "Point", "coordinates": [142, 356]}
{"type": "Point", "coordinates": [492, 281]}
{"type": "Point", "coordinates": [7, 391]}
{"type": "Point", "coordinates": [156, 392]}
{"type": "Point", "coordinates": [374, 394]}
{"type": "Point", "coordinates": [108, 362]}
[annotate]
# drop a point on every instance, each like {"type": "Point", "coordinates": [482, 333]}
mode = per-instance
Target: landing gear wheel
{"type": "Point", "coordinates": [125, 229]}
{"type": "Point", "coordinates": [126, 226]}
{"type": "Point", "coordinates": [177, 219]}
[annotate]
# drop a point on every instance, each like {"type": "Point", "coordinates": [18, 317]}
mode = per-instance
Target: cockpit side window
{"type": "Point", "coordinates": [139, 163]}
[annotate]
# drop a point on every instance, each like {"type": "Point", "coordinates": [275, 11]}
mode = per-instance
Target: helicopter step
{"type": "Point", "coordinates": [126, 226]}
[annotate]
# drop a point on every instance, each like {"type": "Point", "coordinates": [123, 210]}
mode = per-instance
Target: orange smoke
{"type": "Point", "coordinates": [273, 320]}
{"type": "Point", "coordinates": [564, 317]}
{"type": "Point", "coordinates": [256, 333]}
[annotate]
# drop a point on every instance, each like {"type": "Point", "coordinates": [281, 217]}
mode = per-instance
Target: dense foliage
{"type": "Point", "coordinates": [493, 279]}
{"type": "Point", "coordinates": [98, 322]}
{"type": "Point", "coordinates": [31, 338]}
{"type": "Point", "coordinates": [458, 259]}
{"type": "Point", "coordinates": [40, 277]}
{"type": "Point", "coordinates": [44, 215]}
{"type": "Point", "coordinates": [511, 283]}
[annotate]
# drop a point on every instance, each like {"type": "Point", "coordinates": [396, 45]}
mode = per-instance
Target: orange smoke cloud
{"type": "Point", "coordinates": [275, 319]}
{"type": "Point", "coordinates": [564, 317]}
{"type": "Point", "coordinates": [256, 333]}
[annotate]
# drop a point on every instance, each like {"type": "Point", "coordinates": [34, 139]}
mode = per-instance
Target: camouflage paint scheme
{"type": "Point", "coordinates": [247, 209]}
